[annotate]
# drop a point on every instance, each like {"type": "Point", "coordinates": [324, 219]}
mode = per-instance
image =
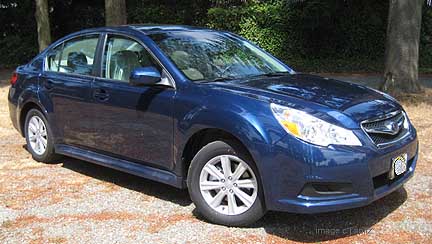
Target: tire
{"type": "Point", "coordinates": [232, 210]}
{"type": "Point", "coordinates": [36, 126]}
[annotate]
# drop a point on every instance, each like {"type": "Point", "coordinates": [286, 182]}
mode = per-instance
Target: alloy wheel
{"type": "Point", "coordinates": [37, 134]}
{"type": "Point", "coordinates": [228, 185]}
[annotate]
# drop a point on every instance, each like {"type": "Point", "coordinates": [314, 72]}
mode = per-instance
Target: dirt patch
{"type": "Point", "coordinates": [160, 222]}
{"type": "Point", "coordinates": [103, 216]}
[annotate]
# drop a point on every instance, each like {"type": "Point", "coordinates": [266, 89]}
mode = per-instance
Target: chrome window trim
{"type": "Point", "coordinates": [72, 74]}
{"type": "Point", "coordinates": [384, 117]}
{"type": "Point", "coordinates": [170, 77]}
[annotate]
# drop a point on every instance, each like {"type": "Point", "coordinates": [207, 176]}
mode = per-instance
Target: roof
{"type": "Point", "coordinates": [147, 29]}
{"type": "Point", "coordinates": [151, 29]}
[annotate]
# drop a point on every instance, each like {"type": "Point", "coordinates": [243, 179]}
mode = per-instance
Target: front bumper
{"type": "Point", "coordinates": [364, 168]}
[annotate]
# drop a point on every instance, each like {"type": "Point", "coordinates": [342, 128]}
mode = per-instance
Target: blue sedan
{"type": "Point", "coordinates": [211, 112]}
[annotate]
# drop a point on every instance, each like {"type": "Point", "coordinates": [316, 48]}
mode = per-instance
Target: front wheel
{"type": "Point", "coordinates": [224, 185]}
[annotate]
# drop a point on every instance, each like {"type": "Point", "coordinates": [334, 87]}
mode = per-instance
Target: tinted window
{"type": "Point", "coordinates": [122, 56]}
{"type": "Point", "coordinates": [53, 59]}
{"type": "Point", "coordinates": [78, 55]}
{"type": "Point", "coordinates": [209, 55]}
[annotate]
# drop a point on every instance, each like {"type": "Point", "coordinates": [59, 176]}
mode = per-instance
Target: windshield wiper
{"type": "Point", "coordinates": [217, 79]}
{"type": "Point", "coordinates": [273, 74]}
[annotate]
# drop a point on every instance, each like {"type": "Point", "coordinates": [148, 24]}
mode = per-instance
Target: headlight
{"type": "Point", "coordinates": [311, 129]}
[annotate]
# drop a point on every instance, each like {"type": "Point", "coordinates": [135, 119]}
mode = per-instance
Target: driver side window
{"type": "Point", "coordinates": [122, 56]}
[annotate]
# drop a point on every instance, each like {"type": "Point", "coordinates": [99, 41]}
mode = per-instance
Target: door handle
{"type": "Point", "coordinates": [101, 94]}
{"type": "Point", "coordinates": [49, 84]}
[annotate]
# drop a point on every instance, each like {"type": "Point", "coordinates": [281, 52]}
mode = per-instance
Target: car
{"type": "Point", "coordinates": [210, 111]}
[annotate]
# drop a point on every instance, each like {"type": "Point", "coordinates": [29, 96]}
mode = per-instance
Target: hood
{"type": "Point", "coordinates": [358, 102]}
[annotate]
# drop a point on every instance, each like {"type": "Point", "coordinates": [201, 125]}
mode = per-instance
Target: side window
{"type": "Point", "coordinates": [53, 59]}
{"type": "Point", "coordinates": [122, 56]}
{"type": "Point", "coordinates": [78, 55]}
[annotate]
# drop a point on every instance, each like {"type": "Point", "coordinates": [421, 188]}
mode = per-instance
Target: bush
{"type": "Point", "coordinates": [309, 35]}
{"type": "Point", "coordinates": [18, 36]}
{"type": "Point", "coordinates": [425, 61]}
{"type": "Point", "coordinates": [16, 50]}
{"type": "Point", "coordinates": [225, 19]}
{"type": "Point", "coordinates": [319, 36]}
{"type": "Point", "coordinates": [183, 12]}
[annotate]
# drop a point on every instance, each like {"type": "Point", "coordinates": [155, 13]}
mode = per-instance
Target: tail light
{"type": "Point", "coordinates": [14, 78]}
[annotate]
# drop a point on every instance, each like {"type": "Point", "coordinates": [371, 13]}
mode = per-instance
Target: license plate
{"type": "Point", "coordinates": [399, 165]}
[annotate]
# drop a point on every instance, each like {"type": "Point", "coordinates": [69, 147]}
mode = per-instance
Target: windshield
{"type": "Point", "coordinates": [207, 55]}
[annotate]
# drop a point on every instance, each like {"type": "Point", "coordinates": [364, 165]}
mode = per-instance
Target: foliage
{"type": "Point", "coordinates": [425, 61]}
{"type": "Point", "coordinates": [18, 38]}
{"type": "Point", "coordinates": [310, 35]}
{"type": "Point", "coordinates": [186, 12]}
{"type": "Point", "coordinates": [225, 19]}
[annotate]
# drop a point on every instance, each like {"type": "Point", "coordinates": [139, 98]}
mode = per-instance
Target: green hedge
{"type": "Point", "coordinates": [18, 36]}
{"type": "Point", "coordinates": [310, 35]}
{"type": "Point", "coordinates": [425, 61]}
{"type": "Point", "coordinates": [320, 36]}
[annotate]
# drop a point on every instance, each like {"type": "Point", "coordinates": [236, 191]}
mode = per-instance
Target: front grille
{"type": "Point", "coordinates": [386, 130]}
{"type": "Point", "coordinates": [380, 123]}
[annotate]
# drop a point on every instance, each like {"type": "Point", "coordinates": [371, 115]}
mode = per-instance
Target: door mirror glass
{"type": "Point", "coordinates": [145, 76]}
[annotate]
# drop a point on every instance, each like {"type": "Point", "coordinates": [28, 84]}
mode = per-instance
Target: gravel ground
{"type": "Point", "coordinates": [72, 201]}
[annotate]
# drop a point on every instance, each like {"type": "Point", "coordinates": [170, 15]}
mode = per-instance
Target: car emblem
{"type": "Point", "coordinates": [387, 127]}
{"type": "Point", "coordinates": [392, 127]}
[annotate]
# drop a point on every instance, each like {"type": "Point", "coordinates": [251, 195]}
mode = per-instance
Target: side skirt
{"type": "Point", "coordinates": [147, 172]}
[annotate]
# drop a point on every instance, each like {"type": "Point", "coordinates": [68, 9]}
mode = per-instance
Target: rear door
{"type": "Point", "coordinates": [68, 74]}
{"type": "Point", "coordinates": [132, 122]}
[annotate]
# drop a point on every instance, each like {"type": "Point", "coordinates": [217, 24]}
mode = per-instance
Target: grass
{"type": "Point", "coordinates": [417, 99]}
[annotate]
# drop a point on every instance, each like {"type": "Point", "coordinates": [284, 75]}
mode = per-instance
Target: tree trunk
{"type": "Point", "coordinates": [43, 25]}
{"type": "Point", "coordinates": [402, 47]}
{"type": "Point", "coordinates": [115, 12]}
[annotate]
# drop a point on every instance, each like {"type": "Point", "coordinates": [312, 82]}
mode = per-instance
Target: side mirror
{"type": "Point", "coordinates": [144, 76]}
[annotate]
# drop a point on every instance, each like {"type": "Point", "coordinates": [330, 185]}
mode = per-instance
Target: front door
{"type": "Point", "coordinates": [132, 122]}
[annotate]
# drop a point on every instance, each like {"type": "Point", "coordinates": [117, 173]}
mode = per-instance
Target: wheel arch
{"type": "Point", "coordinates": [207, 135]}
{"type": "Point", "coordinates": [23, 113]}
{"type": "Point", "coordinates": [213, 121]}
{"type": "Point", "coordinates": [203, 137]}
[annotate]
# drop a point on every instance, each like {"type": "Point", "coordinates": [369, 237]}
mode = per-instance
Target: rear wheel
{"type": "Point", "coordinates": [39, 137]}
{"type": "Point", "coordinates": [224, 185]}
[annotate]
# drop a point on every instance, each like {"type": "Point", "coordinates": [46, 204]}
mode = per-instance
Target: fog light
{"type": "Point", "coordinates": [326, 189]}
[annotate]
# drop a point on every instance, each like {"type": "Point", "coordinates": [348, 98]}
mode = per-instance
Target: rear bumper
{"type": "Point", "coordinates": [364, 169]}
{"type": "Point", "coordinates": [13, 110]}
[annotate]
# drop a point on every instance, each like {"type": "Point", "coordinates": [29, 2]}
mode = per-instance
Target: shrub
{"type": "Point", "coordinates": [309, 35]}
